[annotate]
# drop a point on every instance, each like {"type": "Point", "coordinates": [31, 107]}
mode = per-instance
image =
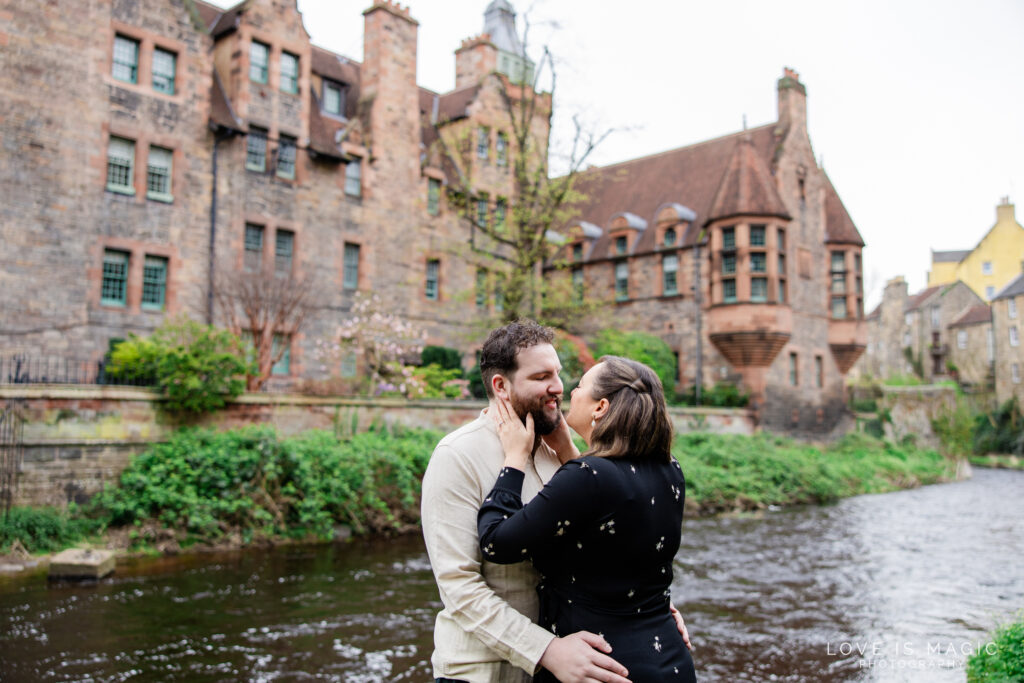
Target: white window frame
{"type": "Point", "coordinates": [1014, 336]}
{"type": "Point", "coordinates": [121, 153]}
{"type": "Point", "coordinates": [354, 177]}
{"type": "Point", "coordinates": [961, 339]}
{"type": "Point", "coordinates": [1011, 308]}
{"type": "Point", "coordinates": [159, 171]}
{"type": "Point", "coordinates": [986, 268]}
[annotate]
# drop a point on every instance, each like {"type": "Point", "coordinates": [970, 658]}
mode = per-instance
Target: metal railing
{"type": "Point", "coordinates": [24, 369]}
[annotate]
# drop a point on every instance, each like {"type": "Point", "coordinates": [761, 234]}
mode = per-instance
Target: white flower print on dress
{"type": "Point", "coordinates": [657, 644]}
{"type": "Point", "coordinates": [660, 544]}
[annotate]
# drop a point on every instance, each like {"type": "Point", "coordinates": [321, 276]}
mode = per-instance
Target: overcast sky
{"type": "Point", "coordinates": [915, 107]}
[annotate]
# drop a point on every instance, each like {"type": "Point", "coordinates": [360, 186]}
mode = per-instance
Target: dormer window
{"type": "Point", "coordinates": [669, 239]}
{"type": "Point", "coordinates": [577, 252]}
{"type": "Point", "coordinates": [621, 245]}
{"type": "Point", "coordinates": [333, 98]}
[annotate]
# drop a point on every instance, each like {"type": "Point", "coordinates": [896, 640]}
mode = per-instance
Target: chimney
{"type": "Point", "coordinates": [792, 102]}
{"type": "Point", "coordinates": [475, 58]}
{"type": "Point", "coordinates": [1005, 211]}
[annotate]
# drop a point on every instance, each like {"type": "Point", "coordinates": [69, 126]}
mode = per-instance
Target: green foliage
{"type": "Point", "coordinates": [955, 429]}
{"type": "Point", "coordinates": [915, 362]}
{"type": "Point", "coordinates": [437, 382]}
{"type": "Point", "coordinates": [43, 530]}
{"type": "Point", "coordinates": [442, 356]}
{"type": "Point", "coordinates": [1001, 431]}
{"type": "Point", "coordinates": [197, 367]}
{"type": "Point", "coordinates": [1001, 660]}
{"type": "Point", "coordinates": [575, 357]}
{"type": "Point", "coordinates": [476, 382]}
{"type": "Point", "coordinates": [639, 346]}
{"type": "Point", "coordinates": [205, 484]}
{"type": "Point", "coordinates": [903, 381]}
{"type": "Point", "coordinates": [864, 405]}
{"type": "Point", "coordinates": [729, 472]}
{"type": "Point", "coordinates": [719, 396]}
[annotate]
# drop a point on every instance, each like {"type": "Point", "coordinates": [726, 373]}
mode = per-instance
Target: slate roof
{"type": "Point", "coordinates": [915, 301]}
{"type": "Point", "coordinates": [1015, 288]}
{"type": "Point", "coordinates": [974, 315]}
{"type": "Point", "coordinates": [839, 227]}
{"type": "Point", "coordinates": [950, 256]}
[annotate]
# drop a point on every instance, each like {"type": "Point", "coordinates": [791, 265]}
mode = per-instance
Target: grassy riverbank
{"type": "Point", "coordinates": [251, 486]}
{"type": "Point", "coordinates": [1002, 657]}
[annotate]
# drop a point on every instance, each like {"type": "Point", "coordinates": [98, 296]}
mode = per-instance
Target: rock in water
{"type": "Point", "coordinates": [77, 563]}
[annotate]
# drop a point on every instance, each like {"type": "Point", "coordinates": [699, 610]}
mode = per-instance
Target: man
{"type": "Point", "coordinates": [486, 631]}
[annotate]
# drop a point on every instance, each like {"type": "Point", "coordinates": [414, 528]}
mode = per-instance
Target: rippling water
{"type": "Point", "coordinates": [892, 587]}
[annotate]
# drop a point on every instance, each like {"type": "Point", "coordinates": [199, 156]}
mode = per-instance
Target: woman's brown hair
{"type": "Point", "coordinates": [636, 423]}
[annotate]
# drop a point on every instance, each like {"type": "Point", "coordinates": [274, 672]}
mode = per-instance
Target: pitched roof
{"type": "Point", "coordinates": [228, 21]}
{"type": "Point", "coordinates": [973, 315]}
{"type": "Point", "coordinates": [1015, 288]}
{"type": "Point", "coordinates": [208, 13]}
{"type": "Point", "coordinates": [950, 256]}
{"type": "Point", "coordinates": [875, 313]}
{"type": "Point", "coordinates": [746, 189]}
{"type": "Point", "coordinates": [915, 301]}
{"type": "Point", "coordinates": [839, 227]}
{"type": "Point", "coordinates": [688, 175]}
{"type": "Point", "coordinates": [221, 111]}
{"type": "Point", "coordinates": [453, 105]}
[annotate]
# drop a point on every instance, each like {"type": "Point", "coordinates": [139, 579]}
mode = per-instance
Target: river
{"type": "Point", "coordinates": [890, 587]}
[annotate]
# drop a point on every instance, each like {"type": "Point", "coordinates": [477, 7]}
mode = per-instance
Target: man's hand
{"type": "Point", "coordinates": [681, 626]}
{"type": "Point", "coordinates": [560, 441]}
{"type": "Point", "coordinates": [577, 658]}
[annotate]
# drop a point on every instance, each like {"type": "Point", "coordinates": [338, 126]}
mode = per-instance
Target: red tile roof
{"type": "Point", "coordinates": [974, 315]}
{"type": "Point", "coordinates": [839, 227]}
{"type": "Point", "coordinates": [221, 112]}
{"type": "Point", "coordinates": [747, 188]}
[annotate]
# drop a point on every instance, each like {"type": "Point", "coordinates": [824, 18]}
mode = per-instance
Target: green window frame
{"type": "Point", "coordinates": [819, 371]}
{"type": "Point", "coordinates": [839, 311]}
{"type": "Point", "coordinates": [669, 238]}
{"type": "Point", "coordinates": [349, 365]}
{"type": "Point", "coordinates": [121, 165]}
{"type": "Point", "coordinates": [759, 289]}
{"type": "Point", "coordinates": [354, 178]}
{"type": "Point", "coordinates": [729, 238]}
{"type": "Point", "coordinates": [286, 149]}
{"type": "Point", "coordinates": [577, 252]}
{"type": "Point", "coordinates": [154, 283]}
{"type": "Point", "coordinates": [757, 235]}
{"type": "Point", "coordinates": [782, 265]}
{"type": "Point", "coordinates": [782, 291]}
{"type": "Point", "coordinates": [433, 196]}
{"type": "Point", "coordinates": [432, 289]}
{"type": "Point", "coordinates": [334, 98]}
{"type": "Point", "coordinates": [259, 60]}
{"type": "Point", "coordinates": [256, 149]}
{"type": "Point", "coordinates": [284, 365]}
{"type": "Point", "coordinates": [284, 249]}
{"type": "Point", "coordinates": [758, 262]}
{"type": "Point", "coordinates": [350, 267]}
{"type": "Point", "coordinates": [621, 281]}
{"type": "Point", "coordinates": [114, 287]}
{"type": "Point", "coordinates": [794, 369]}
{"type": "Point", "coordinates": [729, 291]}
{"type": "Point", "coordinates": [501, 149]}
{"type": "Point", "coordinates": [781, 240]}
{"type": "Point", "coordinates": [728, 264]}
{"type": "Point", "coordinates": [481, 288]}
{"type": "Point", "coordinates": [125, 62]}
{"type": "Point", "coordinates": [164, 70]}
{"type": "Point", "coordinates": [621, 244]}
{"type": "Point", "coordinates": [500, 212]}
{"type": "Point", "coordinates": [483, 143]}
{"type": "Point", "coordinates": [577, 285]}
{"type": "Point", "coordinates": [481, 211]}
{"type": "Point", "coordinates": [158, 174]}
{"type": "Point", "coordinates": [253, 257]}
{"type": "Point", "coordinates": [499, 293]}
{"type": "Point", "coordinates": [669, 273]}
{"type": "Point", "coordinates": [289, 73]}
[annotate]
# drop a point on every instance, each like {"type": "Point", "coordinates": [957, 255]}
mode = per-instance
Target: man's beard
{"type": "Point", "coordinates": [543, 422]}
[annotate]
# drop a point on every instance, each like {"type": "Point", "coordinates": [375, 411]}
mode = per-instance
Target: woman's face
{"type": "Point", "coordinates": [582, 405]}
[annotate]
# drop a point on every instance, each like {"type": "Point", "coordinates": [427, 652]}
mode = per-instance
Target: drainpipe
{"type": "Point", "coordinates": [698, 304]}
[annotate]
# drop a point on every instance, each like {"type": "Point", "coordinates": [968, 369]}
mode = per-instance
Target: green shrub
{"type": "Point", "coordinates": [444, 357]}
{"type": "Point", "coordinates": [719, 396]}
{"type": "Point", "coordinates": [43, 530]}
{"type": "Point", "coordinates": [1001, 660]}
{"type": "Point", "coordinates": [476, 382]}
{"type": "Point", "coordinates": [437, 382]}
{"type": "Point", "coordinates": [955, 429]}
{"type": "Point", "coordinates": [1001, 431]}
{"type": "Point", "coordinates": [639, 346]}
{"type": "Point", "coordinates": [864, 405]}
{"type": "Point", "coordinates": [197, 367]}
{"type": "Point", "coordinates": [207, 484]}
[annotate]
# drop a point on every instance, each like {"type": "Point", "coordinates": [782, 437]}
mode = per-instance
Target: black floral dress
{"type": "Point", "coordinates": [602, 533]}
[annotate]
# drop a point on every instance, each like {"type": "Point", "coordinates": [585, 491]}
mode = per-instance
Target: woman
{"type": "Point", "coordinates": [604, 530]}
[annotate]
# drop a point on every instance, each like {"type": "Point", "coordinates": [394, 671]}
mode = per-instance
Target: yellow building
{"type": "Point", "coordinates": [995, 261]}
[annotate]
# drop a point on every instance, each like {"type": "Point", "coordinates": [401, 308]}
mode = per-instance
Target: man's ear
{"type": "Point", "coordinates": [499, 386]}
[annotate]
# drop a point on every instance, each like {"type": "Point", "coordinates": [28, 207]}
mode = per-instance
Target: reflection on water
{"type": "Point", "coordinates": [891, 587]}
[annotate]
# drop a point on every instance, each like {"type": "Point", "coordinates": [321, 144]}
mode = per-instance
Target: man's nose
{"type": "Point", "coordinates": [555, 387]}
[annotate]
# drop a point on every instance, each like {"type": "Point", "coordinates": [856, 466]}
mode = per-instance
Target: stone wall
{"type": "Point", "coordinates": [77, 438]}
{"type": "Point", "coordinates": [912, 409]}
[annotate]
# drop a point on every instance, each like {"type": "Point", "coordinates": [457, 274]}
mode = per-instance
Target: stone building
{"type": "Point", "coordinates": [738, 246]}
{"type": "Point", "coordinates": [1007, 327]}
{"type": "Point", "coordinates": [972, 348]}
{"type": "Point", "coordinates": [991, 264]}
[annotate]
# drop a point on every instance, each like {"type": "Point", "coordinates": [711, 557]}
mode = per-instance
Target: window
{"type": "Point", "coordinates": [256, 149]}
{"type": "Point", "coordinates": [481, 288]}
{"type": "Point", "coordinates": [483, 143]}
{"type": "Point", "coordinates": [433, 196]}
{"type": "Point", "coordinates": [334, 98]}
{"type": "Point", "coordinates": [728, 238]}
{"type": "Point", "coordinates": [286, 157]}
{"type": "Point", "coordinates": [500, 209]}
{"type": "Point", "coordinates": [794, 375]}
{"type": "Point", "coordinates": [120, 165]}
{"type": "Point", "coordinates": [577, 285]}
{"type": "Point", "coordinates": [154, 283]}
{"type": "Point", "coordinates": [1015, 373]}
{"type": "Point", "coordinates": [114, 288]}
{"type": "Point", "coordinates": [621, 281]}
{"type": "Point", "coordinates": [481, 211]}
{"type": "Point", "coordinates": [501, 150]}
{"type": "Point", "coordinates": [577, 252]}
{"type": "Point", "coordinates": [349, 366]}
{"type": "Point", "coordinates": [499, 293]}
{"type": "Point", "coordinates": [990, 292]}
{"type": "Point", "coordinates": [158, 174]}
{"type": "Point", "coordinates": [433, 279]}
{"type": "Point", "coordinates": [908, 318]}
{"type": "Point", "coordinates": [253, 255]}
{"type": "Point", "coordinates": [669, 266]}
{"type": "Point", "coordinates": [906, 338]}
{"type": "Point", "coordinates": [758, 262]}
{"type": "Point", "coordinates": [284, 247]}
{"type": "Point", "coordinates": [857, 263]}
{"type": "Point", "coordinates": [935, 317]}
{"type": "Point", "coordinates": [757, 235]}
{"type": "Point", "coordinates": [839, 307]}
{"type": "Point", "coordinates": [758, 289]}
{"type": "Point", "coordinates": [281, 343]}
{"type": "Point", "coordinates": [838, 270]}
{"type": "Point", "coordinates": [986, 268]}
{"type": "Point", "coordinates": [620, 245]}
{"type": "Point", "coordinates": [259, 58]}
{"type": "Point", "coordinates": [289, 72]}
{"type": "Point", "coordinates": [350, 267]}
{"type": "Point", "coordinates": [1014, 337]}
{"type": "Point", "coordinates": [782, 240]}
{"type": "Point", "coordinates": [729, 291]}
{"type": "Point", "coordinates": [126, 59]}
{"type": "Point", "coordinates": [819, 371]}
{"type": "Point", "coordinates": [728, 264]}
{"type": "Point", "coordinates": [669, 239]}
{"type": "Point", "coordinates": [1011, 308]}
{"type": "Point", "coordinates": [354, 178]}
{"type": "Point", "coordinates": [961, 339]}
{"type": "Point", "coordinates": [782, 291]}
